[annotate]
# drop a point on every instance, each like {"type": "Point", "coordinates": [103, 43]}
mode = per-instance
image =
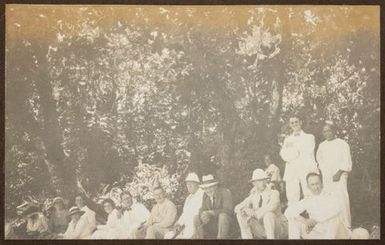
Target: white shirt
{"type": "Point", "coordinates": [77, 231]}
{"type": "Point", "coordinates": [332, 156]}
{"type": "Point", "coordinates": [133, 218]}
{"type": "Point", "coordinates": [191, 206]}
{"type": "Point", "coordinates": [298, 153]}
{"type": "Point", "coordinates": [320, 207]}
{"type": "Point", "coordinates": [111, 230]}
{"type": "Point", "coordinates": [89, 218]}
{"type": "Point", "coordinates": [113, 221]}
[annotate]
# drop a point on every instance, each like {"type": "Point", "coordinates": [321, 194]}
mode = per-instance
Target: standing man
{"type": "Point", "coordinates": [89, 216]}
{"type": "Point", "coordinates": [184, 228]}
{"type": "Point", "coordinates": [324, 210]}
{"type": "Point", "coordinates": [215, 214]}
{"type": "Point", "coordinates": [134, 215]}
{"type": "Point", "coordinates": [163, 216]}
{"type": "Point", "coordinates": [298, 153]}
{"type": "Point", "coordinates": [259, 215]}
{"type": "Point", "coordinates": [335, 162]}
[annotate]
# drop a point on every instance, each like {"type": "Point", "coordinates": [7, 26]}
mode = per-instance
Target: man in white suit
{"type": "Point", "coordinates": [298, 153]}
{"type": "Point", "coordinates": [324, 209]}
{"type": "Point", "coordinates": [184, 227]}
{"type": "Point", "coordinates": [259, 215]}
{"type": "Point", "coordinates": [134, 215]}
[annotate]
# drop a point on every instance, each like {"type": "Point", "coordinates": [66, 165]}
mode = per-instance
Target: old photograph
{"type": "Point", "coordinates": [192, 122]}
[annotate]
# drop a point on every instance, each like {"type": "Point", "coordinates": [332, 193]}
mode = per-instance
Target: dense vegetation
{"type": "Point", "coordinates": [110, 96]}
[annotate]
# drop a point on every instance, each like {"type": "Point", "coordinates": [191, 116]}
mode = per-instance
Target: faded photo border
{"type": "Point", "coordinates": [181, 3]}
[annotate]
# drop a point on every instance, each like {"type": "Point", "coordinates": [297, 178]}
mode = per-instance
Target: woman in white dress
{"type": "Point", "coordinates": [111, 229]}
{"type": "Point", "coordinates": [335, 162]}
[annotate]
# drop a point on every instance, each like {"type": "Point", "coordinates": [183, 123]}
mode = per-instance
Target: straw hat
{"type": "Point", "coordinates": [208, 181]}
{"type": "Point", "coordinates": [259, 174]}
{"type": "Point", "coordinates": [192, 177]}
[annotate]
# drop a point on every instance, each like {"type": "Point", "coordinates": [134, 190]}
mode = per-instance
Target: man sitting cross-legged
{"type": "Point", "coordinates": [259, 215]}
{"type": "Point", "coordinates": [324, 210]}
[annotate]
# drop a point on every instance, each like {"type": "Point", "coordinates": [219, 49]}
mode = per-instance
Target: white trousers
{"type": "Point", "coordinates": [330, 229]}
{"type": "Point", "coordinates": [267, 227]}
{"type": "Point", "coordinates": [189, 228]}
{"type": "Point", "coordinates": [293, 189]}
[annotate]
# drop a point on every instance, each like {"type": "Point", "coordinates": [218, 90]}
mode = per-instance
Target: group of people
{"type": "Point", "coordinates": [315, 187]}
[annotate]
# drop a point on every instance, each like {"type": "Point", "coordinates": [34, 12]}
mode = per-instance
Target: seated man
{"type": "Point", "coordinates": [259, 215]}
{"type": "Point", "coordinates": [184, 228]}
{"type": "Point", "coordinates": [215, 215]}
{"type": "Point", "coordinates": [163, 216]}
{"type": "Point", "coordinates": [324, 210]}
{"type": "Point", "coordinates": [134, 215]}
{"type": "Point", "coordinates": [89, 216]}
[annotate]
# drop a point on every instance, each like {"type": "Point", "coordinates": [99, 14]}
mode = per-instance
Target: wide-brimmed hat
{"type": "Point", "coordinates": [259, 174]}
{"type": "Point", "coordinates": [58, 199]}
{"type": "Point", "coordinates": [75, 210]}
{"type": "Point", "coordinates": [192, 177]}
{"type": "Point", "coordinates": [31, 210]}
{"type": "Point", "coordinates": [208, 181]}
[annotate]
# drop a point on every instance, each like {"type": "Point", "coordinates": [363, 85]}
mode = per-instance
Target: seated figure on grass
{"type": "Point", "coordinates": [184, 227]}
{"type": "Point", "coordinates": [134, 215]}
{"type": "Point", "coordinates": [112, 227]}
{"type": "Point", "coordinates": [325, 214]}
{"type": "Point", "coordinates": [163, 216]}
{"type": "Point", "coordinates": [215, 216]}
{"type": "Point", "coordinates": [78, 226]}
{"type": "Point", "coordinates": [259, 215]}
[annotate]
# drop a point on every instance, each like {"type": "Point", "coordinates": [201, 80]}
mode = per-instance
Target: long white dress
{"type": "Point", "coordinates": [332, 156]}
{"type": "Point", "coordinates": [89, 218]}
{"type": "Point", "coordinates": [77, 230]}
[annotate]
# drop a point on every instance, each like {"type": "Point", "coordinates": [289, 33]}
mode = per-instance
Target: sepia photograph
{"type": "Point", "coordinates": [192, 122]}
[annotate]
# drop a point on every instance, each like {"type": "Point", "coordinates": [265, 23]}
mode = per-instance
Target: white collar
{"type": "Point", "coordinates": [299, 133]}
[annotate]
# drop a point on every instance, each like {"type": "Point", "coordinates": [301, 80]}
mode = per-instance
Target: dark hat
{"type": "Point", "coordinates": [75, 210]}
{"type": "Point", "coordinates": [31, 210]}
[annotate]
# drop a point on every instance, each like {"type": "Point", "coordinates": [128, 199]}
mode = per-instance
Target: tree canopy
{"type": "Point", "coordinates": [97, 95]}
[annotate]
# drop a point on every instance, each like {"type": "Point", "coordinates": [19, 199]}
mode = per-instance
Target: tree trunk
{"type": "Point", "coordinates": [62, 172]}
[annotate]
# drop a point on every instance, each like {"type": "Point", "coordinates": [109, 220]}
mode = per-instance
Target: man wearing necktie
{"type": "Point", "coordinates": [298, 153]}
{"type": "Point", "coordinates": [216, 213]}
{"type": "Point", "coordinates": [259, 215]}
{"type": "Point", "coordinates": [133, 216]}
